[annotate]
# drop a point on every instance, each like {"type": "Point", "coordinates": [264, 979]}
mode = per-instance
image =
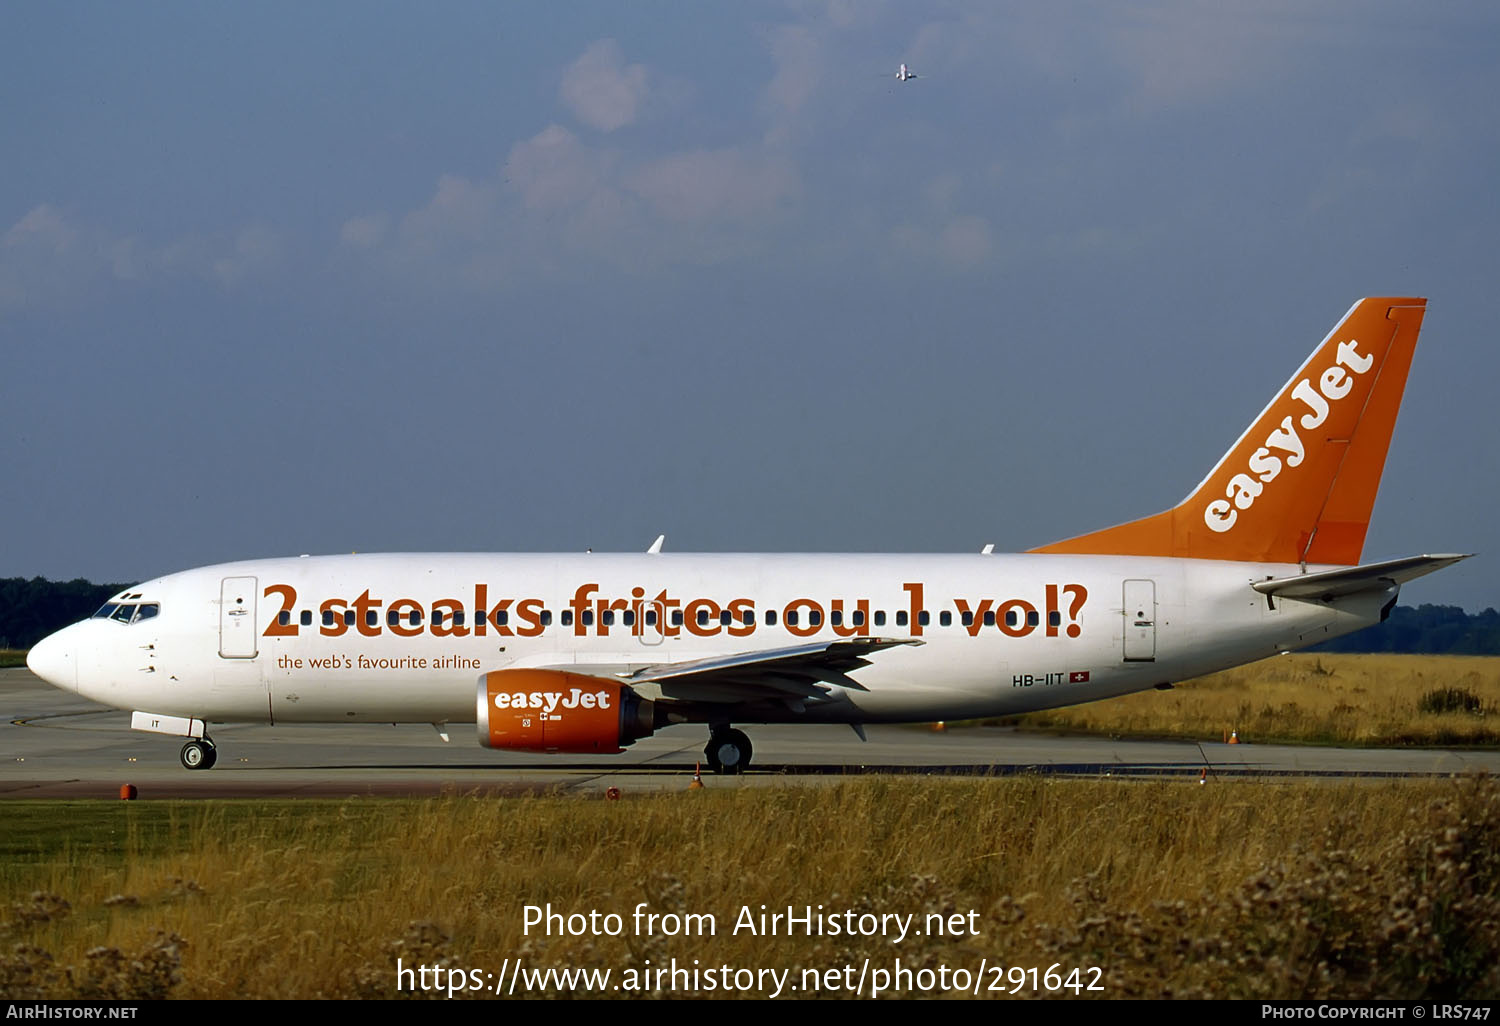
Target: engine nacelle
{"type": "Point", "coordinates": [556, 711]}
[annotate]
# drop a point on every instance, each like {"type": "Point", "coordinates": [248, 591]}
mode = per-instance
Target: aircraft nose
{"type": "Point", "coordinates": [54, 660]}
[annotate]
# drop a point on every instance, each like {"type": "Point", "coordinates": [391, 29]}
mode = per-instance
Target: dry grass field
{"type": "Point", "coordinates": [1318, 699]}
{"type": "Point", "coordinates": [1231, 889]}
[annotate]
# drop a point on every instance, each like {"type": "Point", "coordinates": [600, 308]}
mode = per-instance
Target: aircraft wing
{"type": "Point", "coordinates": [795, 672]}
{"type": "Point", "coordinates": [1330, 584]}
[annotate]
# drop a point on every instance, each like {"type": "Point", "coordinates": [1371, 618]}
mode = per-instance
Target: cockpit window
{"type": "Point", "coordinates": [127, 612]}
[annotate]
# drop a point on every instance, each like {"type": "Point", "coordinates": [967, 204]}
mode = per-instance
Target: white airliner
{"type": "Point", "coordinates": [903, 75]}
{"type": "Point", "coordinates": [586, 653]}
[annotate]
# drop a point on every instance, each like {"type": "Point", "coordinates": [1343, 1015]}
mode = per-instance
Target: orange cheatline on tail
{"type": "Point", "coordinates": [1299, 484]}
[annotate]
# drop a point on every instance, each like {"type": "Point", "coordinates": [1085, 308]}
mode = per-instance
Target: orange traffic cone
{"type": "Point", "coordinates": [1203, 777]}
{"type": "Point", "coordinates": [697, 783]}
{"type": "Point", "coordinates": [1234, 737]}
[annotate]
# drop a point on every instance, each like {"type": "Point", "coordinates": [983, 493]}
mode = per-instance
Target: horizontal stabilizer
{"type": "Point", "coordinates": [1330, 584]}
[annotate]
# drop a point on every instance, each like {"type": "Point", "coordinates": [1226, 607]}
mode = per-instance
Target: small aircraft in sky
{"type": "Point", "coordinates": [586, 653]}
{"type": "Point", "coordinates": [904, 74]}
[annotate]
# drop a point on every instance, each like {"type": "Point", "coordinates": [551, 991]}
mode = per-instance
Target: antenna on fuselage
{"type": "Point", "coordinates": [655, 549]}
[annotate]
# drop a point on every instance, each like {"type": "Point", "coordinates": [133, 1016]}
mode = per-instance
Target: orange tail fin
{"type": "Point", "coordinates": [1299, 484]}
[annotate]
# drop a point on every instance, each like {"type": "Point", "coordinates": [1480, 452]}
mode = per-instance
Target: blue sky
{"type": "Point", "coordinates": [282, 278]}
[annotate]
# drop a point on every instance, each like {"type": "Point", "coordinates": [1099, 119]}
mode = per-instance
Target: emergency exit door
{"type": "Point", "coordinates": [237, 634]}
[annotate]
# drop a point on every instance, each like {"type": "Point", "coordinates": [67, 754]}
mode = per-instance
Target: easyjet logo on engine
{"type": "Point", "coordinates": [1283, 446]}
{"type": "Point", "coordinates": [549, 701]}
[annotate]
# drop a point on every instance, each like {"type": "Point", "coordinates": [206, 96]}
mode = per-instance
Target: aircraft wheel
{"type": "Point", "coordinates": [728, 752]}
{"type": "Point", "coordinates": [199, 755]}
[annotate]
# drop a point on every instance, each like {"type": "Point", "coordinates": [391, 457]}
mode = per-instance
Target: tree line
{"type": "Point", "coordinates": [1425, 630]}
{"type": "Point", "coordinates": [30, 609]}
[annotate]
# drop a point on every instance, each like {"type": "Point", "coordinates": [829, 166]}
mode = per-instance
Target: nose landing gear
{"type": "Point", "coordinates": [728, 751]}
{"type": "Point", "coordinates": [199, 754]}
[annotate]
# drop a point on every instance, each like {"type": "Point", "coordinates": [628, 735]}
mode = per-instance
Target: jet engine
{"type": "Point", "coordinates": [556, 711]}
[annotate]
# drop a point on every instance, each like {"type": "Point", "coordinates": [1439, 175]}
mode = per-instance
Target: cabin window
{"type": "Point", "coordinates": [1033, 618]}
{"type": "Point", "coordinates": [770, 618]}
{"type": "Point", "coordinates": [836, 618]}
{"type": "Point", "coordinates": [348, 618]}
{"type": "Point", "coordinates": [372, 618]}
{"type": "Point", "coordinates": [284, 618]}
{"type": "Point", "coordinates": [814, 617]}
{"type": "Point", "coordinates": [546, 618]}
{"type": "Point", "coordinates": [791, 618]}
{"type": "Point", "coordinates": [1054, 619]}
{"type": "Point", "coordinates": [924, 618]}
{"type": "Point", "coordinates": [946, 619]}
{"type": "Point", "coordinates": [306, 618]}
{"type": "Point", "coordinates": [989, 618]}
{"type": "Point", "coordinates": [901, 618]}
{"type": "Point", "coordinates": [627, 617]}
{"type": "Point", "coordinates": [968, 618]}
{"type": "Point", "coordinates": [567, 617]}
{"type": "Point", "coordinates": [676, 618]}
{"type": "Point", "coordinates": [857, 618]}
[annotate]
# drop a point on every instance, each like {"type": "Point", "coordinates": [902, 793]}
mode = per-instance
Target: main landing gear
{"type": "Point", "coordinates": [199, 754]}
{"type": "Point", "coordinates": [728, 750]}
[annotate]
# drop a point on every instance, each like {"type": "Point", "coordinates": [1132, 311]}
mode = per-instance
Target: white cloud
{"type": "Point", "coordinates": [794, 53]}
{"type": "Point", "coordinates": [962, 243]}
{"type": "Point", "coordinates": [553, 170]}
{"type": "Point", "coordinates": [600, 90]}
{"type": "Point", "coordinates": [46, 258]}
{"type": "Point", "coordinates": [459, 210]}
{"type": "Point", "coordinates": [41, 229]}
{"type": "Point", "coordinates": [255, 248]}
{"type": "Point", "coordinates": [965, 241]}
{"type": "Point", "coordinates": [364, 232]}
{"type": "Point", "coordinates": [732, 184]}
{"type": "Point", "coordinates": [43, 259]}
{"type": "Point", "coordinates": [1183, 53]}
